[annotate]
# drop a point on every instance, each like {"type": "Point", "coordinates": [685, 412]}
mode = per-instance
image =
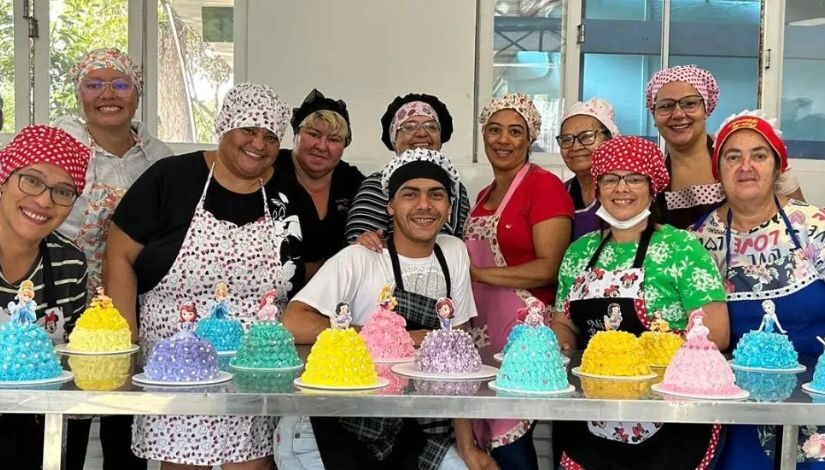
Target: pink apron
{"type": "Point", "coordinates": [496, 306]}
{"type": "Point", "coordinates": [247, 259]}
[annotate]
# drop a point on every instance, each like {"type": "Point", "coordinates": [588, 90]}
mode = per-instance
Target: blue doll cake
{"type": "Point", "coordinates": [819, 372]}
{"type": "Point", "coordinates": [26, 351]}
{"type": "Point", "coordinates": [532, 359]}
{"type": "Point", "coordinates": [220, 329]}
{"type": "Point", "coordinates": [765, 349]}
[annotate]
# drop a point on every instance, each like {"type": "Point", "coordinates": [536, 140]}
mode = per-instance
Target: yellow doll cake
{"type": "Point", "coordinates": [100, 328]}
{"type": "Point", "coordinates": [614, 353]}
{"type": "Point", "coordinates": [660, 344]}
{"type": "Point", "coordinates": [339, 357]}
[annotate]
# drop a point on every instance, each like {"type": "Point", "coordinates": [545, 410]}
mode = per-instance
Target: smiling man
{"type": "Point", "coordinates": [322, 131]}
{"type": "Point", "coordinates": [422, 265]}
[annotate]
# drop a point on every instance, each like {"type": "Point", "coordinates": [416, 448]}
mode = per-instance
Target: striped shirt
{"type": "Point", "coordinates": [69, 273]}
{"type": "Point", "coordinates": [368, 212]}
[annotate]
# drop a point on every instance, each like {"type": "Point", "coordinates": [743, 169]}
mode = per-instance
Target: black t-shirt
{"type": "Point", "coordinates": [346, 179]}
{"type": "Point", "coordinates": [158, 208]}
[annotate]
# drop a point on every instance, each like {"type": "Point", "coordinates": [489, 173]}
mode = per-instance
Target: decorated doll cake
{"type": "Point", "coordinates": [818, 382]}
{"type": "Point", "coordinates": [533, 360]}
{"type": "Point", "coordinates": [220, 329]}
{"type": "Point", "coordinates": [765, 349]}
{"type": "Point", "coordinates": [100, 328]}
{"type": "Point", "coordinates": [614, 353]}
{"type": "Point", "coordinates": [26, 351]}
{"type": "Point", "coordinates": [184, 357]}
{"type": "Point", "coordinates": [537, 306]}
{"type": "Point", "coordinates": [339, 357]}
{"type": "Point", "coordinates": [698, 368]}
{"type": "Point", "coordinates": [660, 344]}
{"type": "Point", "coordinates": [267, 344]}
{"type": "Point", "coordinates": [385, 332]}
{"type": "Point", "coordinates": [448, 350]}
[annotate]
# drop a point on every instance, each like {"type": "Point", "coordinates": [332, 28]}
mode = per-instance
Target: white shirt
{"type": "Point", "coordinates": [356, 275]}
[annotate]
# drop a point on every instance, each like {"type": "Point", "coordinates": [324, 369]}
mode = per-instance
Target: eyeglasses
{"type": "Point", "coordinates": [411, 127]}
{"type": "Point", "coordinates": [585, 138]}
{"type": "Point", "coordinates": [34, 186]}
{"type": "Point", "coordinates": [611, 180]}
{"type": "Point", "coordinates": [688, 104]}
{"type": "Point", "coordinates": [121, 87]}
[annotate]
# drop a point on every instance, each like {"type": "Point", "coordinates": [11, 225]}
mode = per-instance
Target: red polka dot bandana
{"type": "Point", "coordinates": [520, 103]}
{"type": "Point", "coordinates": [46, 144]}
{"type": "Point", "coordinates": [698, 78]}
{"type": "Point", "coordinates": [630, 153]}
{"type": "Point", "coordinates": [756, 121]}
{"type": "Point", "coordinates": [110, 58]}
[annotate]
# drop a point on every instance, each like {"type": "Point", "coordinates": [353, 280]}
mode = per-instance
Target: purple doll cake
{"type": "Point", "coordinates": [184, 357]}
{"type": "Point", "coordinates": [447, 350]}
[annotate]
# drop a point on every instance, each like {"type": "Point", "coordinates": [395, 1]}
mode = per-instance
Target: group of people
{"type": "Point", "coordinates": [636, 236]}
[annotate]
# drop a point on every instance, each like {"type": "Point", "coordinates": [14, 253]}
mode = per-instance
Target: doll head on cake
{"type": "Point", "coordinates": [613, 319]}
{"type": "Point", "coordinates": [267, 309]}
{"type": "Point", "coordinates": [696, 326]}
{"type": "Point", "coordinates": [769, 320]}
{"type": "Point", "coordinates": [342, 317]}
{"type": "Point", "coordinates": [220, 309]}
{"type": "Point", "coordinates": [446, 312]}
{"type": "Point", "coordinates": [188, 316]}
{"type": "Point", "coordinates": [386, 300]}
{"type": "Point", "coordinates": [23, 311]}
{"type": "Point", "coordinates": [532, 314]}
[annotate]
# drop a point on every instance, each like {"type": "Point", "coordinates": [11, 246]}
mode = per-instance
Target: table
{"type": "Point", "coordinates": [272, 394]}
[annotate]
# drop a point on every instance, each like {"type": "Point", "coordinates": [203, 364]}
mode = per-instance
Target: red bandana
{"type": "Point", "coordinates": [45, 144]}
{"type": "Point", "coordinates": [763, 127]}
{"type": "Point", "coordinates": [630, 153]}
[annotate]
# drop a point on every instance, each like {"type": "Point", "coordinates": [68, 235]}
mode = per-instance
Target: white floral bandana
{"type": "Point", "coordinates": [253, 105]}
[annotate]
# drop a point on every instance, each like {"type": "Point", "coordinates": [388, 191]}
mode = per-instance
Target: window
{"type": "Point", "coordinates": [75, 28]}
{"type": "Point", "coordinates": [6, 66]}
{"type": "Point", "coordinates": [527, 58]}
{"type": "Point", "coordinates": [195, 60]}
{"type": "Point", "coordinates": [803, 90]}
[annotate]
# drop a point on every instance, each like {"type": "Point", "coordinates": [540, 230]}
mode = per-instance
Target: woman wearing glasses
{"type": "Point", "coordinates": [516, 236]}
{"type": "Point", "coordinates": [42, 171]}
{"type": "Point", "coordinates": [648, 271]}
{"type": "Point", "coordinates": [681, 99]}
{"type": "Point", "coordinates": [410, 122]}
{"type": "Point", "coordinates": [108, 85]}
{"type": "Point", "coordinates": [584, 127]}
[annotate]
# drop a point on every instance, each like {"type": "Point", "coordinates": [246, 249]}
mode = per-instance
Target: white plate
{"type": "Point", "coordinates": [499, 357]}
{"type": "Point", "coordinates": [64, 349]}
{"type": "Point", "coordinates": [64, 376]}
{"type": "Point", "coordinates": [393, 360]}
{"type": "Point", "coordinates": [227, 353]}
{"type": "Point", "coordinates": [628, 378]}
{"type": "Point", "coordinates": [266, 369]}
{"type": "Point", "coordinates": [382, 382]}
{"type": "Point", "coordinates": [739, 396]}
{"type": "Point", "coordinates": [792, 370]}
{"type": "Point", "coordinates": [808, 388]}
{"type": "Point", "coordinates": [411, 370]}
{"type": "Point", "coordinates": [141, 379]}
{"type": "Point", "coordinates": [494, 386]}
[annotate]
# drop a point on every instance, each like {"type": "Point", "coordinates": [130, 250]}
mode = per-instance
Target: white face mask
{"type": "Point", "coordinates": [622, 224]}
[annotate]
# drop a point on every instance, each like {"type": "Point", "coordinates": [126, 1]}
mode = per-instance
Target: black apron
{"type": "Point", "coordinates": [341, 449]}
{"type": "Point", "coordinates": [673, 446]}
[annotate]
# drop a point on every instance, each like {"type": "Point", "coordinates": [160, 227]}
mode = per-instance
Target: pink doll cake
{"type": "Point", "coordinates": [698, 368]}
{"type": "Point", "coordinates": [385, 332]}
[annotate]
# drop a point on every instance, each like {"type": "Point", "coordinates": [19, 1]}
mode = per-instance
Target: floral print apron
{"type": "Point", "coordinates": [496, 306]}
{"type": "Point", "coordinates": [247, 259]}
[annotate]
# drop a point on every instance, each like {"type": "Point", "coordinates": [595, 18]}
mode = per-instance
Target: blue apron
{"type": "Point", "coordinates": [799, 309]}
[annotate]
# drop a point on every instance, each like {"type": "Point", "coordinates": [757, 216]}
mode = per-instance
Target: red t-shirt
{"type": "Point", "coordinates": [540, 196]}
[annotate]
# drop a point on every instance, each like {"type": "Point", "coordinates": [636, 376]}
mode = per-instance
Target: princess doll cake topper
{"type": "Point", "coordinates": [386, 300]}
{"type": "Point", "coordinates": [342, 317]}
{"type": "Point", "coordinates": [267, 309]}
{"type": "Point", "coordinates": [188, 316]}
{"type": "Point", "coordinates": [446, 312]}
{"type": "Point", "coordinates": [221, 308]}
{"type": "Point", "coordinates": [24, 310]}
{"type": "Point", "coordinates": [770, 318]}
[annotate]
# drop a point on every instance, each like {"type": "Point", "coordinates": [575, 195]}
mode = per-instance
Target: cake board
{"type": "Point", "coordinates": [410, 369]}
{"type": "Point", "coordinates": [494, 386]}
{"type": "Point", "coordinates": [64, 376]}
{"type": "Point", "coordinates": [743, 394]}
{"type": "Point", "coordinates": [629, 378]}
{"type": "Point", "coordinates": [380, 383]}
{"type": "Point", "coordinates": [141, 379]}
{"type": "Point", "coordinates": [64, 350]}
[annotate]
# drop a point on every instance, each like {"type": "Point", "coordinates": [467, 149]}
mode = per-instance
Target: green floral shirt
{"type": "Point", "coordinates": [680, 275]}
